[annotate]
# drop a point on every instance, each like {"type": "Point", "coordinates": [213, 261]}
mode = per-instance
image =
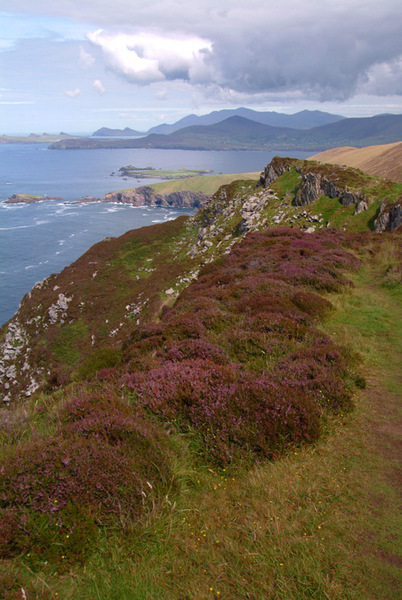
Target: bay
{"type": "Point", "coordinates": [42, 238]}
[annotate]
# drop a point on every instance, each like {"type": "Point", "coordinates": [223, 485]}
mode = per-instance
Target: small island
{"type": "Point", "coordinates": [29, 199]}
{"type": "Point", "coordinates": [152, 173]}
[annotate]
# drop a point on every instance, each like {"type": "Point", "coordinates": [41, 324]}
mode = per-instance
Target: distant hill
{"type": "Point", "coordinates": [301, 120]}
{"type": "Point", "coordinates": [381, 129]}
{"type": "Point", "coordinates": [35, 138]}
{"type": "Point", "coordinates": [126, 132]}
{"type": "Point", "coordinates": [384, 160]}
{"type": "Point", "coordinates": [238, 133]}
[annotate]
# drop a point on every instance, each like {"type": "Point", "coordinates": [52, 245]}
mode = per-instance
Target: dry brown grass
{"type": "Point", "coordinates": [383, 160]}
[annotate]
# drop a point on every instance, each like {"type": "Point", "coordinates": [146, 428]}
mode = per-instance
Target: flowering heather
{"type": "Point", "coordinates": [103, 460]}
{"type": "Point", "coordinates": [193, 348]}
{"type": "Point", "coordinates": [232, 410]}
{"type": "Point", "coordinates": [238, 359]}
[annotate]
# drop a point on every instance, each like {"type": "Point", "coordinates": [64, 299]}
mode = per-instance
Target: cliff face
{"type": "Point", "coordinates": [99, 301]}
{"type": "Point", "coordinates": [145, 195]}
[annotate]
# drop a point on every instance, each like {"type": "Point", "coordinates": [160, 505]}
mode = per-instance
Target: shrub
{"type": "Point", "coordinates": [312, 304]}
{"type": "Point", "coordinates": [235, 413]}
{"type": "Point", "coordinates": [98, 468]}
{"type": "Point", "coordinates": [189, 348]}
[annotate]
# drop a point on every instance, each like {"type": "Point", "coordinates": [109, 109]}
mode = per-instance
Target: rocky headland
{"type": "Point", "coordinates": [29, 199]}
{"type": "Point", "coordinates": [74, 307]}
{"type": "Point", "coordinates": [146, 196]}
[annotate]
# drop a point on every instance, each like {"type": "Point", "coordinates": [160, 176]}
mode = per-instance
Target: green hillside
{"type": "Point", "coordinates": [208, 408]}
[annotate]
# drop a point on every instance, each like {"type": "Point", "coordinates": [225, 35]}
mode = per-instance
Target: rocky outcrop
{"type": "Point", "coordinates": [390, 217]}
{"type": "Point", "coordinates": [276, 168]}
{"type": "Point", "coordinates": [309, 190]}
{"type": "Point", "coordinates": [315, 182]}
{"type": "Point", "coordinates": [145, 195]}
{"type": "Point", "coordinates": [314, 185]}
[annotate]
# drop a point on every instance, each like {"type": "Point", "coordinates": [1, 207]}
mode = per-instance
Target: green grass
{"type": "Point", "coordinates": [287, 184]}
{"type": "Point", "coordinates": [65, 346]}
{"type": "Point", "coordinates": [322, 523]}
{"type": "Point", "coordinates": [207, 184]}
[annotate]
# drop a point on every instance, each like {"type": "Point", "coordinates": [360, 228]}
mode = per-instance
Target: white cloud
{"type": "Point", "coordinates": [316, 49]}
{"type": "Point", "coordinates": [99, 87]}
{"type": "Point", "coordinates": [73, 93]}
{"type": "Point", "coordinates": [383, 78]}
{"type": "Point", "coordinates": [161, 94]}
{"type": "Point", "coordinates": [17, 102]}
{"type": "Point", "coordinates": [86, 59]}
{"type": "Point", "coordinates": [147, 58]}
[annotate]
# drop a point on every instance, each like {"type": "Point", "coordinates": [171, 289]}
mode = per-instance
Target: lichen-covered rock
{"type": "Point", "coordinates": [276, 168]}
{"type": "Point", "coordinates": [361, 206]}
{"type": "Point", "coordinates": [390, 217]}
{"type": "Point", "coordinates": [309, 190]}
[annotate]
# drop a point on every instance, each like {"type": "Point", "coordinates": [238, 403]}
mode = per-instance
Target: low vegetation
{"type": "Point", "coordinates": [224, 441]}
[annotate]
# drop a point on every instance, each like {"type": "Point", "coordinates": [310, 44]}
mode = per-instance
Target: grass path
{"type": "Point", "coordinates": [323, 523]}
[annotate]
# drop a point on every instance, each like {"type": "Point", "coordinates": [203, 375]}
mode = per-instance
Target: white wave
{"type": "Point", "coordinates": [41, 222]}
{"type": "Point", "coordinates": [12, 206]}
{"type": "Point", "coordinates": [16, 227]}
{"type": "Point", "coordinates": [157, 221]}
{"type": "Point", "coordinates": [30, 267]}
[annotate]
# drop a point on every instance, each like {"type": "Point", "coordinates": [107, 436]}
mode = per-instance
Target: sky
{"type": "Point", "coordinates": [77, 65]}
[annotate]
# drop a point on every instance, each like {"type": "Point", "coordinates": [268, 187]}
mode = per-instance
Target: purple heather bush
{"type": "Point", "coordinates": [233, 410]}
{"type": "Point", "coordinates": [102, 462]}
{"type": "Point", "coordinates": [237, 363]}
{"type": "Point", "coordinates": [238, 360]}
{"type": "Point", "coordinates": [193, 348]}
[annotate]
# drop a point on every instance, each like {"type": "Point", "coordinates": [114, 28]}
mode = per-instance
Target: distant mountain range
{"type": "Point", "coordinates": [107, 132]}
{"type": "Point", "coordinates": [301, 120]}
{"type": "Point", "coordinates": [239, 133]}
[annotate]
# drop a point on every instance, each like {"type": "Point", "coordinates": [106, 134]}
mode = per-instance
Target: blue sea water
{"type": "Point", "coordinates": [42, 238]}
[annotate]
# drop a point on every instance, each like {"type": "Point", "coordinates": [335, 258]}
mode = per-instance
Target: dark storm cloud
{"type": "Point", "coordinates": [321, 49]}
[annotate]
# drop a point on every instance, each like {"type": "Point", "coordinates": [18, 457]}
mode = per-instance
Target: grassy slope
{"type": "Point", "coordinates": [201, 183]}
{"type": "Point", "coordinates": [383, 160]}
{"type": "Point", "coordinates": [207, 184]}
{"type": "Point", "coordinates": [321, 523]}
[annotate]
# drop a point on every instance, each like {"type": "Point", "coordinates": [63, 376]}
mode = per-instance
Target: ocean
{"type": "Point", "coordinates": [42, 238]}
